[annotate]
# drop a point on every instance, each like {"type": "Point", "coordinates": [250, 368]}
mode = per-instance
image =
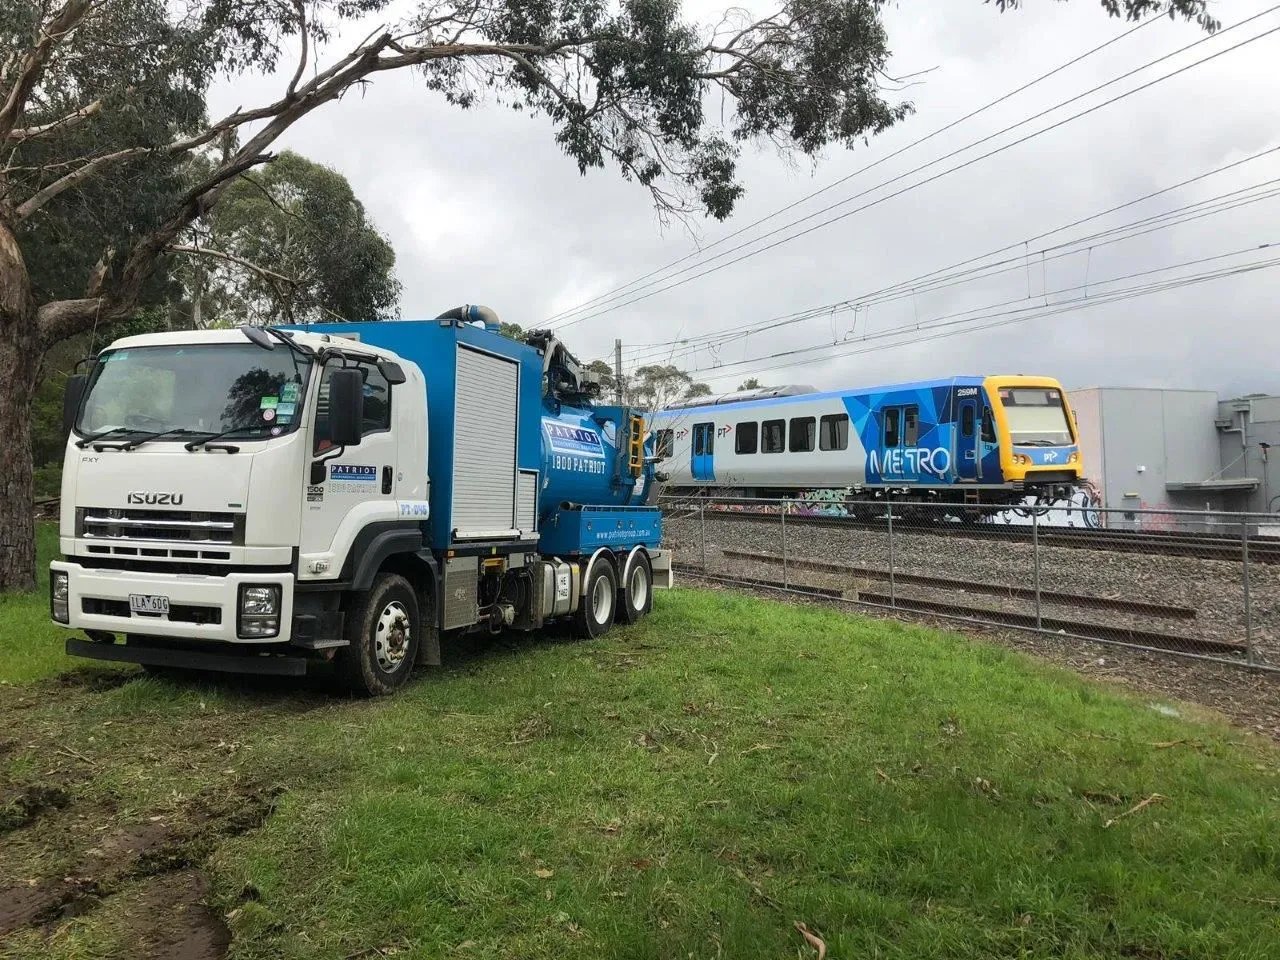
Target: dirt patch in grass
{"type": "Point", "coordinates": [146, 873]}
{"type": "Point", "coordinates": [115, 791]}
{"type": "Point", "coordinates": [20, 806]}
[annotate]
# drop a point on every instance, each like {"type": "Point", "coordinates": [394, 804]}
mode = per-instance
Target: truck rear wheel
{"type": "Point", "coordinates": [599, 602]}
{"type": "Point", "coordinates": [383, 632]}
{"type": "Point", "coordinates": [635, 597]}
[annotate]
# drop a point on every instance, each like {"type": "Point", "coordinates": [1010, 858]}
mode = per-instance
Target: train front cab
{"type": "Point", "coordinates": [1038, 442]}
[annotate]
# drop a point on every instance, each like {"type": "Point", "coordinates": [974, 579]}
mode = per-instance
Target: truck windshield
{"type": "Point", "coordinates": [1036, 416]}
{"type": "Point", "coordinates": [195, 388]}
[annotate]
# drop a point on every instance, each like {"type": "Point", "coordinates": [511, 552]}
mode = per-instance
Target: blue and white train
{"type": "Point", "coordinates": [965, 440]}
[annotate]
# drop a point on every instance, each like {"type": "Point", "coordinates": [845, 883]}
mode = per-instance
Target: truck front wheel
{"type": "Point", "coordinates": [599, 601]}
{"type": "Point", "coordinates": [383, 631]}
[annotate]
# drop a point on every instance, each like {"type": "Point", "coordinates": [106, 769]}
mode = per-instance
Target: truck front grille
{"type": "Point", "coordinates": [116, 525]}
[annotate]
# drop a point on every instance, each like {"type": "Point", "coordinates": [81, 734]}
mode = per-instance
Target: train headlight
{"type": "Point", "coordinates": [1074, 457]}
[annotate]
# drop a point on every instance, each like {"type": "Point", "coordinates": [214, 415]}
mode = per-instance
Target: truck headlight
{"type": "Point", "coordinates": [259, 610]}
{"type": "Point", "coordinates": [59, 591]}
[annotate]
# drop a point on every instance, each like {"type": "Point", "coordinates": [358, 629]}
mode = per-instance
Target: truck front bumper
{"type": "Point", "coordinates": [200, 607]}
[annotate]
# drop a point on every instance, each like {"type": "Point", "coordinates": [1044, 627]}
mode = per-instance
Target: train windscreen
{"type": "Point", "coordinates": [1036, 416]}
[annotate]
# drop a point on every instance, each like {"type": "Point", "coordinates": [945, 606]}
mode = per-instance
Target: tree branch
{"type": "Point", "coordinates": [32, 65]}
{"type": "Point", "coordinates": [66, 182]}
{"type": "Point", "coordinates": [232, 258]}
{"type": "Point", "coordinates": [302, 58]}
{"type": "Point", "coordinates": [65, 123]}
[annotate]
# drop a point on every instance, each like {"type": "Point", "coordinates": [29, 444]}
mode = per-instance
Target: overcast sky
{"type": "Point", "coordinates": [482, 207]}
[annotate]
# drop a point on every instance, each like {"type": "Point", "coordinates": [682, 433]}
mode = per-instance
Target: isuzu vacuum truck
{"type": "Point", "coordinates": [267, 499]}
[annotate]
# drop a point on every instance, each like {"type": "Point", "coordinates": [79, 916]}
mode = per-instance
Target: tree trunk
{"type": "Point", "coordinates": [19, 362]}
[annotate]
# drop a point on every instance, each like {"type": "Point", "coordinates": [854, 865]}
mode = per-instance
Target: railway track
{"type": "Point", "coordinates": [1162, 543]}
{"type": "Point", "coordinates": [1115, 634]}
{"type": "Point", "coordinates": [1162, 611]}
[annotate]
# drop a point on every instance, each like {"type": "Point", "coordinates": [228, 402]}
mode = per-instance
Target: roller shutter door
{"type": "Point", "coordinates": [484, 452]}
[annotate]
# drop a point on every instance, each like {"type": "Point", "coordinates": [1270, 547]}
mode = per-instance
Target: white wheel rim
{"type": "Point", "coordinates": [391, 636]}
{"type": "Point", "coordinates": [639, 587]}
{"type": "Point", "coordinates": [601, 600]}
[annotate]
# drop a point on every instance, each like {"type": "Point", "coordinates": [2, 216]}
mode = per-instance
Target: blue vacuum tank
{"type": "Point", "coordinates": [591, 453]}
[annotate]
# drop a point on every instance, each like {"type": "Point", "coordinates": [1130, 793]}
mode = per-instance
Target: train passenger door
{"type": "Point", "coordinates": [704, 440]}
{"type": "Point", "coordinates": [967, 453]}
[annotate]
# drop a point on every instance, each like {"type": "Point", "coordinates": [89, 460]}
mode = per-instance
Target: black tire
{"type": "Point", "coordinates": [383, 631]}
{"type": "Point", "coordinates": [599, 592]}
{"type": "Point", "coordinates": [635, 597]}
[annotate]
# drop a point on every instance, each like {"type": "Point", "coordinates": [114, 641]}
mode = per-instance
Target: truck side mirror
{"type": "Point", "coordinates": [346, 406]}
{"type": "Point", "coordinates": [71, 398]}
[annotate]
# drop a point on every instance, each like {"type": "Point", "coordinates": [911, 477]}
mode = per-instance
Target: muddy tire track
{"type": "Point", "coordinates": [153, 870]}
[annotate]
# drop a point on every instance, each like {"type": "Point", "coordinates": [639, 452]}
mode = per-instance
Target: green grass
{"type": "Point", "coordinates": [692, 786]}
{"type": "Point", "coordinates": [31, 645]}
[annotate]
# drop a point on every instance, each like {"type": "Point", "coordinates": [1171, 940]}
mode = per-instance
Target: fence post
{"type": "Point", "coordinates": [893, 587]}
{"type": "Point", "coordinates": [1035, 554]}
{"type": "Point", "coordinates": [786, 580]}
{"type": "Point", "coordinates": [1244, 581]}
{"type": "Point", "coordinates": [702, 525]}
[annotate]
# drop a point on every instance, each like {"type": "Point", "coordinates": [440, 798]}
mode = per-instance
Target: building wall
{"type": "Point", "coordinates": [1261, 420]}
{"type": "Point", "coordinates": [1135, 440]}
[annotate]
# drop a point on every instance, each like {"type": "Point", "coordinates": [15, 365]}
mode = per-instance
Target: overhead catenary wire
{"type": "Point", "coordinates": [950, 277]}
{"type": "Point", "coordinates": [937, 176]}
{"type": "Point", "coordinates": [861, 170]}
{"type": "Point", "coordinates": [1019, 315]}
{"type": "Point", "coordinates": [1022, 243]}
{"type": "Point", "coordinates": [1074, 248]}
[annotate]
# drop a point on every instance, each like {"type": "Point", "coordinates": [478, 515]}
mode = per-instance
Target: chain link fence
{"type": "Point", "coordinates": [1190, 584]}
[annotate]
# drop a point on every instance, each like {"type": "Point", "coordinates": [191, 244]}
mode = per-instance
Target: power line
{"type": "Point", "coordinates": [930, 281]}
{"type": "Point", "coordinates": [1017, 315]}
{"type": "Point", "coordinates": [835, 183]}
{"type": "Point", "coordinates": [937, 176]}
{"type": "Point", "coordinates": [1188, 214]}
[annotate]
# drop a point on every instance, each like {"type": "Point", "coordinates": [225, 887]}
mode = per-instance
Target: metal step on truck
{"type": "Point", "coordinates": [267, 499]}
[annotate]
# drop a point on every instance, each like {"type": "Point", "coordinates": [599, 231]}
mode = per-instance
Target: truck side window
{"type": "Point", "coordinates": [377, 404]}
{"type": "Point", "coordinates": [988, 427]}
{"type": "Point", "coordinates": [891, 435]}
{"type": "Point", "coordinates": [802, 434]}
{"type": "Point", "coordinates": [377, 400]}
{"type": "Point", "coordinates": [745, 437]}
{"type": "Point", "coordinates": [911, 426]}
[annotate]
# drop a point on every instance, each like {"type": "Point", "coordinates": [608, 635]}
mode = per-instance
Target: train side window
{"type": "Point", "coordinates": [911, 425]}
{"type": "Point", "coordinates": [745, 436]}
{"type": "Point", "coordinates": [966, 420]}
{"type": "Point", "coordinates": [988, 427]}
{"type": "Point", "coordinates": [891, 435]}
{"type": "Point", "coordinates": [699, 447]}
{"type": "Point", "coordinates": [802, 434]}
{"type": "Point", "coordinates": [774, 439]}
{"type": "Point", "coordinates": [834, 432]}
{"type": "Point", "coordinates": [663, 445]}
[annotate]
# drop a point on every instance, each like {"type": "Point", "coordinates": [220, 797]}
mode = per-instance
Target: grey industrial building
{"type": "Point", "coordinates": [1179, 449]}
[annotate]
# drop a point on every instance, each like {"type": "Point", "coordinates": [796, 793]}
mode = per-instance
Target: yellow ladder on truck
{"type": "Point", "coordinates": [635, 447]}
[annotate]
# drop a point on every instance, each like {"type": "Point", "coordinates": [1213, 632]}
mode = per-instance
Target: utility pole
{"type": "Point", "coordinates": [617, 370]}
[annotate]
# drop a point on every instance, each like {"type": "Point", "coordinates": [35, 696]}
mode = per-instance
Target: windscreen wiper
{"type": "Point", "coordinates": [175, 432]}
{"type": "Point", "coordinates": [103, 434]}
{"type": "Point", "coordinates": [205, 441]}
